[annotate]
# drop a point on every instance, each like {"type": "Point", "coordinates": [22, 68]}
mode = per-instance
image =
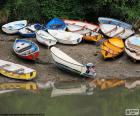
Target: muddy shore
{"type": "Point", "coordinates": [121, 67]}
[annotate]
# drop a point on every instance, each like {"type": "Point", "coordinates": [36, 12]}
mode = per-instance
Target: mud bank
{"type": "Point", "coordinates": [121, 67]}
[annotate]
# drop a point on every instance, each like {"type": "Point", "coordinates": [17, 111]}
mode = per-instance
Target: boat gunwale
{"type": "Point", "coordinates": [125, 25]}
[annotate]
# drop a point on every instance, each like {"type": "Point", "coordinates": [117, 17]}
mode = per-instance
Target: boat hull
{"type": "Point", "coordinates": [67, 63]}
{"type": "Point", "coordinates": [21, 49]}
{"type": "Point", "coordinates": [82, 24]}
{"type": "Point", "coordinates": [112, 21]}
{"type": "Point", "coordinates": [12, 70]}
{"type": "Point", "coordinates": [133, 50]}
{"type": "Point", "coordinates": [116, 31]}
{"type": "Point", "coordinates": [30, 57]}
{"type": "Point", "coordinates": [56, 24]}
{"type": "Point", "coordinates": [112, 47]}
{"type": "Point", "coordinates": [66, 37]}
{"type": "Point", "coordinates": [14, 27]}
{"type": "Point", "coordinates": [30, 31]}
{"type": "Point", "coordinates": [45, 38]}
{"type": "Point", "coordinates": [31, 35]}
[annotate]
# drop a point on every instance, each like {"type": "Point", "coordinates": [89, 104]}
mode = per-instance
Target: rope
{"type": "Point", "coordinates": [39, 61]}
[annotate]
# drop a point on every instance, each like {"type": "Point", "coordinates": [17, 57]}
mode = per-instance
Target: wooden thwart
{"type": "Point", "coordinates": [5, 65]}
{"type": "Point", "coordinates": [18, 70]}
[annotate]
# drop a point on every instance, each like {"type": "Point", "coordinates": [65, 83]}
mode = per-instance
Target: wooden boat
{"type": "Point", "coordinates": [75, 25]}
{"type": "Point", "coordinates": [88, 35]}
{"type": "Point", "coordinates": [112, 27]}
{"type": "Point", "coordinates": [112, 47]}
{"type": "Point", "coordinates": [13, 27]}
{"type": "Point", "coordinates": [66, 37]}
{"type": "Point", "coordinates": [56, 24]}
{"type": "Point", "coordinates": [93, 36]}
{"type": "Point", "coordinates": [106, 84]}
{"type": "Point", "coordinates": [45, 38]}
{"type": "Point", "coordinates": [29, 31]}
{"type": "Point", "coordinates": [26, 49]}
{"type": "Point", "coordinates": [64, 61]}
{"type": "Point", "coordinates": [88, 30]}
{"type": "Point", "coordinates": [18, 85]}
{"type": "Point", "coordinates": [16, 71]}
{"type": "Point", "coordinates": [132, 47]}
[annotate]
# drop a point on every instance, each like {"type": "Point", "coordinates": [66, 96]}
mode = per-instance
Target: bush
{"type": "Point", "coordinates": [90, 10]}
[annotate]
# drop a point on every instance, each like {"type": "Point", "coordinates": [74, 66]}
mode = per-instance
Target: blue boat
{"type": "Point", "coordinates": [30, 31]}
{"type": "Point", "coordinates": [56, 24]}
{"type": "Point", "coordinates": [105, 20]}
{"type": "Point", "coordinates": [26, 49]}
{"type": "Point", "coordinates": [113, 27]}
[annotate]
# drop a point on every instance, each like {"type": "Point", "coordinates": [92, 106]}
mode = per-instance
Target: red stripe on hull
{"type": "Point", "coordinates": [30, 57]}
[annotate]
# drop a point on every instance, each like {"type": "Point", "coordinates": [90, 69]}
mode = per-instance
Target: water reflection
{"type": "Point", "coordinates": [83, 89]}
{"type": "Point", "coordinates": [18, 86]}
{"type": "Point", "coordinates": [86, 88]}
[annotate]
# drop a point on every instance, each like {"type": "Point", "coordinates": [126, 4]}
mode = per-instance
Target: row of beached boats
{"type": "Point", "coordinates": [110, 34]}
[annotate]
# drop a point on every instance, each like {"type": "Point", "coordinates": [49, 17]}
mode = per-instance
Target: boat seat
{"type": "Point", "coordinates": [19, 70]}
{"type": "Point", "coordinates": [24, 49]}
{"type": "Point", "coordinates": [28, 52]}
{"type": "Point", "coordinates": [5, 65]}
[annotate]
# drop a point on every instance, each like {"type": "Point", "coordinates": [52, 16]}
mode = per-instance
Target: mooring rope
{"type": "Point", "coordinates": [39, 61]}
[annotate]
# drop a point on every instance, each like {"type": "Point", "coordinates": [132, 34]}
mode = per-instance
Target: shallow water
{"type": "Point", "coordinates": [111, 102]}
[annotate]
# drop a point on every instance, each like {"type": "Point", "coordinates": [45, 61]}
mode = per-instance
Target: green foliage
{"type": "Point", "coordinates": [90, 10]}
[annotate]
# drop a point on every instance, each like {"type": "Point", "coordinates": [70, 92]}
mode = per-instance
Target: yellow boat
{"type": "Point", "coordinates": [106, 84]}
{"type": "Point", "coordinates": [16, 71]}
{"type": "Point", "coordinates": [18, 85]}
{"type": "Point", "coordinates": [112, 47]}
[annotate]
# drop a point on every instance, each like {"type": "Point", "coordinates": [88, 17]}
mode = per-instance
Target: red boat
{"type": "Point", "coordinates": [26, 49]}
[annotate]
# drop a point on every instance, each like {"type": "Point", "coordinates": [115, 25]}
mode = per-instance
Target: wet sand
{"type": "Point", "coordinates": [121, 67]}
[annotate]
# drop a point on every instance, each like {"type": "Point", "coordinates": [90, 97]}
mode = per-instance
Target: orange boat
{"type": "Point", "coordinates": [106, 84]}
{"type": "Point", "coordinates": [93, 37]}
{"type": "Point", "coordinates": [112, 47]}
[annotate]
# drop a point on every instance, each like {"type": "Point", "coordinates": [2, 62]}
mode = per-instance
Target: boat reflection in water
{"type": "Point", "coordinates": [14, 86]}
{"type": "Point", "coordinates": [83, 89]}
{"type": "Point", "coordinates": [30, 86]}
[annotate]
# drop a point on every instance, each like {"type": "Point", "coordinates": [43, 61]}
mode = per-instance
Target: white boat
{"type": "Point", "coordinates": [16, 71]}
{"type": "Point", "coordinates": [113, 27]}
{"type": "Point", "coordinates": [13, 27]}
{"type": "Point", "coordinates": [114, 30]}
{"type": "Point", "coordinates": [66, 37]}
{"type": "Point", "coordinates": [29, 31]}
{"type": "Point", "coordinates": [64, 61]}
{"type": "Point", "coordinates": [72, 91]}
{"type": "Point", "coordinates": [105, 20]}
{"type": "Point", "coordinates": [79, 30]}
{"type": "Point", "coordinates": [80, 25]}
{"type": "Point", "coordinates": [132, 47]}
{"type": "Point", "coordinates": [45, 38]}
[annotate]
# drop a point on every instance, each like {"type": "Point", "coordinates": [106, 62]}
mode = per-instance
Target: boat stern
{"type": "Point", "coordinates": [89, 70]}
